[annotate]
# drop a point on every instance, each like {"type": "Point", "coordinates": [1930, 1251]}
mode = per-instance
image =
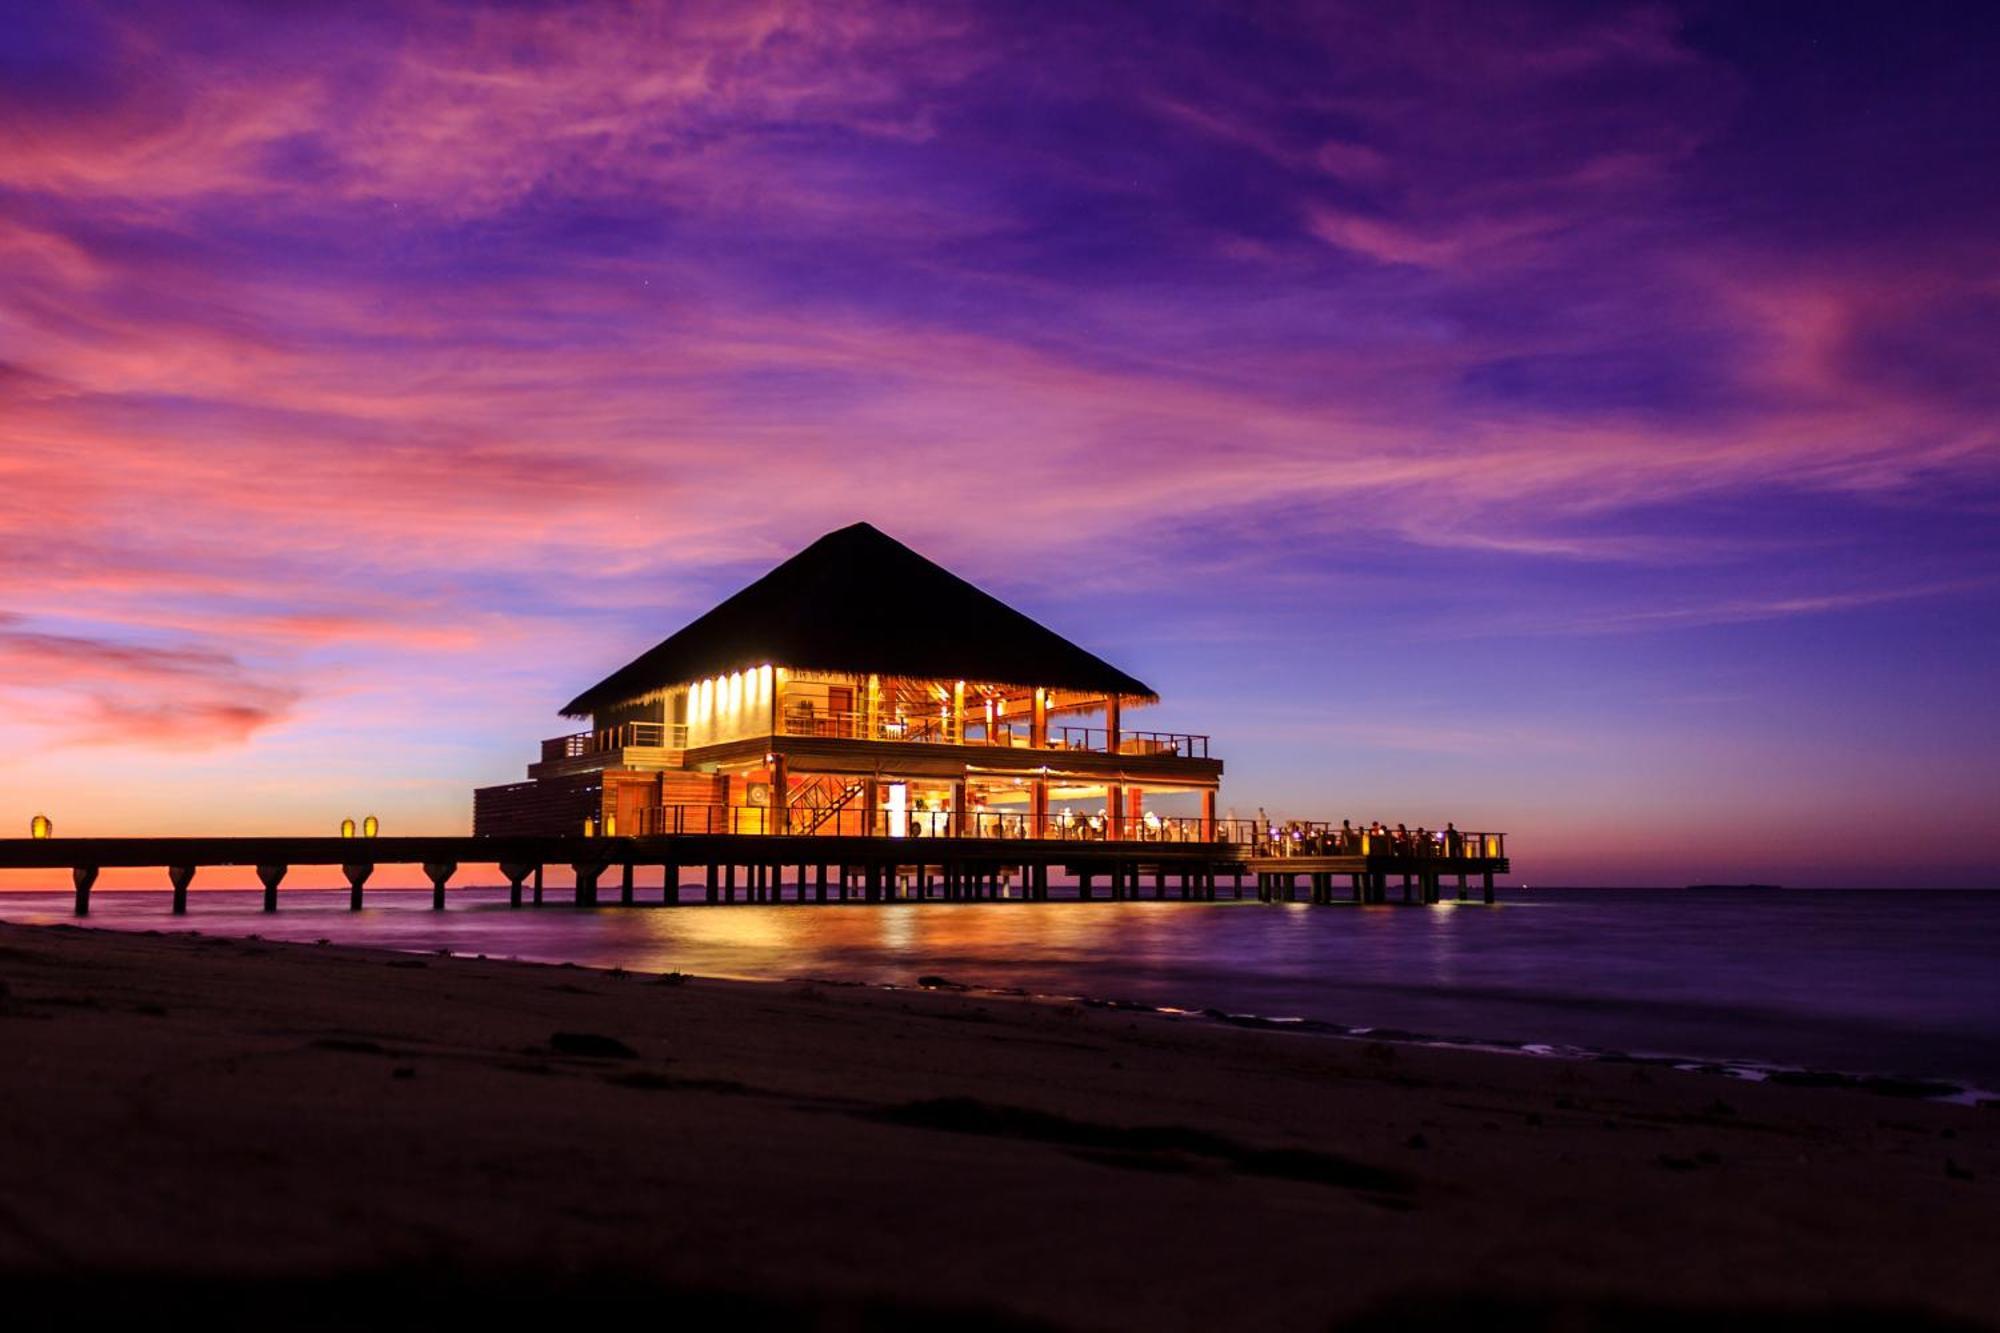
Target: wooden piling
{"type": "Point", "coordinates": [538, 886]}
{"type": "Point", "coordinates": [180, 877]}
{"type": "Point", "coordinates": [271, 876]}
{"type": "Point", "coordinates": [514, 873]}
{"type": "Point", "coordinates": [357, 875]}
{"type": "Point", "coordinates": [625, 885]}
{"type": "Point", "coordinates": [84, 878]}
{"type": "Point", "coordinates": [670, 884]}
{"type": "Point", "coordinates": [439, 873]}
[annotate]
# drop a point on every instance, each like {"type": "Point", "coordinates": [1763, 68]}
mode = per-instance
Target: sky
{"type": "Point", "coordinates": [1577, 420]}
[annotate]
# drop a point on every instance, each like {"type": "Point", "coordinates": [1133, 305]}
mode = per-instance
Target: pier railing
{"type": "Point", "coordinates": [624, 736]}
{"type": "Point", "coordinates": [1257, 837]}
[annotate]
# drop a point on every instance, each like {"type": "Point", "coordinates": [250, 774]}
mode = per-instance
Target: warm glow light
{"type": "Point", "coordinates": [370, 827]}
{"type": "Point", "coordinates": [346, 828]}
{"type": "Point", "coordinates": [40, 827]}
{"type": "Point", "coordinates": [611, 826]}
{"type": "Point", "coordinates": [589, 827]}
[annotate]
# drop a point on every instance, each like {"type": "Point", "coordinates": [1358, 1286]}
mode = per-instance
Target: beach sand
{"type": "Point", "coordinates": [243, 1133]}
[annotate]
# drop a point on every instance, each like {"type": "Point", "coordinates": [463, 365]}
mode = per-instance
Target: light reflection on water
{"type": "Point", "coordinates": [1892, 981]}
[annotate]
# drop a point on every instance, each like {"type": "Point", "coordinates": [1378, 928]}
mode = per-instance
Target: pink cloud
{"type": "Point", "coordinates": [119, 693]}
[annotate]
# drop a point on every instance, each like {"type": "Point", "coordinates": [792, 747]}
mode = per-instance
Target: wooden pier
{"type": "Point", "coordinates": [821, 869]}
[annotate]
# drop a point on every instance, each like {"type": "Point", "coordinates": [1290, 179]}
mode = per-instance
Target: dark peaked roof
{"type": "Point", "coordinates": [858, 600]}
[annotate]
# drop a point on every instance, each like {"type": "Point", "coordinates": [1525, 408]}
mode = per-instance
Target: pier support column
{"type": "Point", "coordinates": [180, 877]}
{"type": "Point", "coordinates": [514, 872]}
{"type": "Point", "coordinates": [819, 883]}
{"type": "Point", "coordinates": [357, 876]}
{"type": "Point", "coordinates": [1461, 886]}
{"type": "Point", "coordinates": [670, 884]}
{"type": "Point", "coordinates": [439, 873]}
{"type": "Point", "coordinates": [84, 878]}
{"type": "Point", "coordinates": [625, 885]}
{"type": "Point", "coordinates": [1083, 884]}
{"type": "Point", "coordinates": [538, 886]}
{"type": "Point", "coordinates": [1486, 884]}
{"type": "Point", "coordinates": [714, 875]}
{"type": "Point", "coordinates": [587, 873]}
{"type": "Point", "coordinates": [271, 876]}
{"type": "Point", "coordinates": [729, 882]}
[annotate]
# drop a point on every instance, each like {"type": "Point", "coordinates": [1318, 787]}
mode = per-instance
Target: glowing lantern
{"type": "Point", "coordinates": [40, 827]}
{"type": "Point", "coordinates": [589, 827]}
{"type": "Point", "coordinates": [611, 826]}
{"type": "Point", "coordinates": [370, 827]}
{"type": "Point", "coordinates": [346, 828]}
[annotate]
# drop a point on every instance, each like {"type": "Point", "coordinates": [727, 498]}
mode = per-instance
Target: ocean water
{"type": "Point", "coordinates": [1889, 982]}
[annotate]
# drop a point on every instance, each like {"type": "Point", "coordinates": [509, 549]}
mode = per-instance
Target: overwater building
{"type": "Point", "coordinates": [861, 689]}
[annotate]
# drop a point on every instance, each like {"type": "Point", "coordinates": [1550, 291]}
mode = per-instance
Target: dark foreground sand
{"type": "Point", "coordinates": [227, 1133]}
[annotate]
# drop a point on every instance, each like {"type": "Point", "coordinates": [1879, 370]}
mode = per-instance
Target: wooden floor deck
{"type": "Point", "coordinates": [824, 868]}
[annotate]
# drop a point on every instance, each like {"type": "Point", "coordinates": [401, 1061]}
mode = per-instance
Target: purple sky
{"type": "Point", "coordinates": [1574, 419]}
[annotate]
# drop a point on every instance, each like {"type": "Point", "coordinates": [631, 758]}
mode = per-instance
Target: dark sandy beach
{"type": "Point", "coordinates": [240, 1132]}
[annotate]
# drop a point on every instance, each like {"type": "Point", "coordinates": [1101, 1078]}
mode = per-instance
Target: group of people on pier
{"type": "Point", "coordinates": [1299, 838]}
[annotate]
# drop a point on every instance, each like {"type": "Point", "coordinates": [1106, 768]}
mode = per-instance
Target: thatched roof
{"type": "Point", "coordinates": [860, 601]}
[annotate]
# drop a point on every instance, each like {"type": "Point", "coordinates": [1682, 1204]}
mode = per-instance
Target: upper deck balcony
{"type": "Point", "coordinates": [855, 726]}
{"type": "Point", "coordinates": [648, 745]}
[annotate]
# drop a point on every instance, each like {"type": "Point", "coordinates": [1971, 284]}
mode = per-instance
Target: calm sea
{"type": "Point", "coordinates": [1900, 982]}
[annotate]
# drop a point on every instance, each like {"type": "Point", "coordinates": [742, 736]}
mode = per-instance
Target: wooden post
{"type": "Point", "coordinates": [873, 719]}
{"type": "Point", "coordinates": [1486, 883]}
{"type": "Point", "coordinates": [871, 798]}
{"type": "Point", "coordinates": [781, 792]}
{"type": "Point", "coordinates": [1160, 882]}
{"type": "Point", "coordinates": [587, 873]}
{"type": "Point", "coordinates": [670, 884]}
{"type": "Point", "coordinates": [83, 877]}
{"type": "Point", "coordinates": [1083, 883]}
{"type": "Point", "coordinates": [438, 872]}
{"type": "Point", "coordinates": [538, 886]}
{"type": "Point", "coordinates": [1111, 727]}
{"type": "Point", "coordinates": [714, 873]}
{"type": "Point", "coordinates": [180, 877]}
{"type": "Point", "coordinates": [1114, 813]}
{"type": "Point", "coordinates": [271, 875]}
{"type": "Point", "coordinates": [959, 825]}
{"type": "Point", "coordinates": [514, 872]}
{"type": "Point", "coordinates": [357, 876]}
{"type": "Point", "coordinates": [955, 733]}
{"type": "Point", "coordinates": [1038, 724]}
{"type": "Point", "coordinates": [1208, 814]}
{"type": "Point", "coordinates": [624, 886]}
